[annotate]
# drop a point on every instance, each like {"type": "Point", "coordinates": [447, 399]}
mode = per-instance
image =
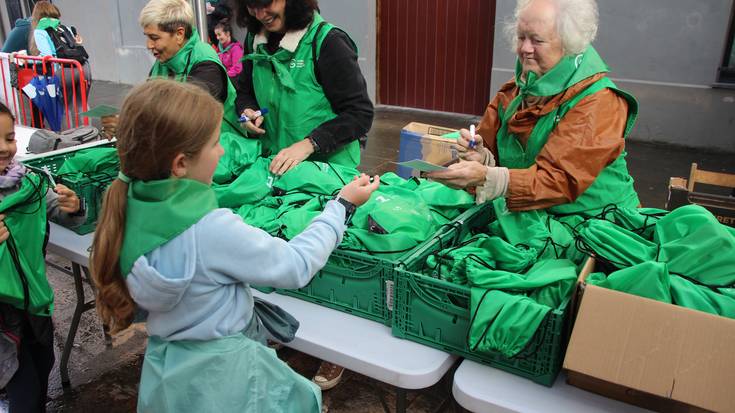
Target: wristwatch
{"type": "Point", "coordinates": [313, 143]}
{"type": "Point", "coordinates": [349, 208]}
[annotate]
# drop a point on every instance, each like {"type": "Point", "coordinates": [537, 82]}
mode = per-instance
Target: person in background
{"type": "Point", "coordinates": [17, 39]}
{"type": "Point", "coordinates": [182, 56]}
{"type": "Point", "coordinates": [216, 12]}
{"type": "Point", "coordinates": [159, 245]}
{"type": "Point", "coordinates": [230, 51]}
{"type": "Point", "coordinates": [554, 136]}
{"type": "Point", "coordinates": [305, 72]}
{"type": "Point", "coordinates": [26, 328]}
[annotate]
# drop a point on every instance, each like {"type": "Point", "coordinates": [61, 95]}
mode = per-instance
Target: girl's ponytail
{"type": "Point", "coordinates": [114, 303]}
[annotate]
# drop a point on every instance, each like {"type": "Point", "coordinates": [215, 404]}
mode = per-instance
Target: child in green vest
{"type": "Point", "coordinates": [162, 244]}
{"type": "Point", "coordinates": [26, 299]}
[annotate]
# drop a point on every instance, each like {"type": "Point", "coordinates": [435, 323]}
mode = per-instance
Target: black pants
{"type": "Point", "coordinates": [28, 387]}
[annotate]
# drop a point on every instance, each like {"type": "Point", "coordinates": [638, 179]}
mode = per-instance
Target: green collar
{"type": "Point", "coordinates": [47, 22]}
{"type": "Point", "coordinates": [159, 211]}
{"type": "Point", "coordinates": [569, 71]}
{"type": "Point", "coordinates": [179, 64]}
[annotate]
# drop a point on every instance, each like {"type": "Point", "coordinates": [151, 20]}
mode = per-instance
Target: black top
{"type": "Point", "coordinates": [344, 86]}
{"type": "Point", "coordinates": [211, 77]}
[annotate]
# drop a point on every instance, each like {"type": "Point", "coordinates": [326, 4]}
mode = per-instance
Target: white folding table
{"type": "Point", "coordinates": [484, 389]}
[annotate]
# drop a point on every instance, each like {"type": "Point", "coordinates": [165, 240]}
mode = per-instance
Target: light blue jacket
{"type": "Point", "coordinates": [44, 43]}
{"type": "Point", "coordinates": [196, 286]}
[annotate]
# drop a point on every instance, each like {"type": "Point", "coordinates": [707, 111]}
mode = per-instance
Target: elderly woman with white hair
{"type": "Point", "coordinates": [553, 136]}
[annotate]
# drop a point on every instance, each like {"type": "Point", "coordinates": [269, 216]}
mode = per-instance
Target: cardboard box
{"type": "Point", "coordinates": [652, 354]}
{"type": "Point", "coordinates": [681, 192]}
{"type": "Point", "coordinates": [422, 141]}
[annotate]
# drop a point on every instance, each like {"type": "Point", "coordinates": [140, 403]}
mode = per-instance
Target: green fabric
{"type": "Point", "coordinates": [286, 84]}
{"type": "Point", "coordinates": [649, 279]}
{"type": "Point", "coordinates": [47, 22]}
{"type": "Point", "coordinates": [231, 374]}
{"type": "Point", "coordinates": [239, 152]}
{"type": "Point", "coordinates": [90, 161]}
{"type": "Point", "coordinates": [695, 244]}
{"type": "Point", "coordinates": [616, 245]}
{"type": "Point", "coordinates": [688, 294]}
{"type": "Point", "coordinates": [249, 187]}
{"type": "Point", "coordinates": [613, 185]}
{"type": "Point", "coordinates": [158, 211]}
{"type": "Point", "coordinates": [25, 219]}
{"type": "Point", "coordinates": [502, 322]}
{"type": "Point", "coordinates": [317, 178]}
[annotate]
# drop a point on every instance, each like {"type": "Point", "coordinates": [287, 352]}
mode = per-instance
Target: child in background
{"type": "Point", "coordinates": [230, 49]}
{"type": "Point", "coordinates": [163, 244]}
{"type": "Point", "coordinates": [26, 299]}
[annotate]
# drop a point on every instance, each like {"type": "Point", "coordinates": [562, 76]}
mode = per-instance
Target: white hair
{"type": "Point", "coordinates": [167, 14]}
{"type": "Point", "coordinates": [576, 23]}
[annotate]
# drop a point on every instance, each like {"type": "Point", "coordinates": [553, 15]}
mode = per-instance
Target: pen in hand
{"type": "Point", "coordinates": [261, 112]}
{"type": "Point", "coordinates": [473, 143]}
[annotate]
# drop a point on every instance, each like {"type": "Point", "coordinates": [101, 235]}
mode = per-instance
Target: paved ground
{"type": "Point", "coordinates": [106, 379]}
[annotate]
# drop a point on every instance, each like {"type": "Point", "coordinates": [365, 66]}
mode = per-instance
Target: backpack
{"type": "Point", "coordinates": [65, 44]}
{"type": "Point", "coordinates": [44, 140]}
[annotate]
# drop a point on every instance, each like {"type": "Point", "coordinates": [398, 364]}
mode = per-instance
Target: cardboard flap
{"type": "Point", "coordinates": [659, 348]}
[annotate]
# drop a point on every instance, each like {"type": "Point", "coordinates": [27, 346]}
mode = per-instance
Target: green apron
{"type": "Point", "coordinates": [285, 83]}
{"type": "Point", "coordinates": [25, 219]}
{"type": "Point", "coordinates": [239, 152]}
{"type": "Point", "coordinates": [230, 374]}
{"type": "Point", "coordinates": [613, 185]}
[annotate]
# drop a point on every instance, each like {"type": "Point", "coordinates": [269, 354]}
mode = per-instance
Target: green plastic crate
{"type": "Point", "coordinates": [90, 189]}
{"type": "Point", "coordinates": [360, 283]}
{"type": "Point", "coordinates": [436, 313]}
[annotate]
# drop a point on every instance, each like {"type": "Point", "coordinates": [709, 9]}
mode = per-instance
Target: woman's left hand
{"type": "Point", "coordinates": [68, 200]}
{"type": "Point", "coordinates": [461, 175]}
{"type": "Point", "coordinates": [289, 157]}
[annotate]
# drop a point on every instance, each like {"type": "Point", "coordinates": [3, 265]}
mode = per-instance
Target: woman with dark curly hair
{"type": "Point", "coordinates": [296, 60]}
{"type": "Point", "coordinates": [305, 72]}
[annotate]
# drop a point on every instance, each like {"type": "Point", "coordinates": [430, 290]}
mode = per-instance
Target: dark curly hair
{"type": "Point", "coordinates": [298, 14]}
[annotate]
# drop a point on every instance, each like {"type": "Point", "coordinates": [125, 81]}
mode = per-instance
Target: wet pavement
{"type": "Point", "coordinates": [105, 379]}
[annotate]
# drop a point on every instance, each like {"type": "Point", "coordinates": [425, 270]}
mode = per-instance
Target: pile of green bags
{"type": "Point", "coordinates": [399, 216]}
{"type": "Point", "coordinates": [687, 259]}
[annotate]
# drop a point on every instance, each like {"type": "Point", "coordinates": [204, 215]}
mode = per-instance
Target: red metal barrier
{"type": "Point", "coordinates": [16, 71]}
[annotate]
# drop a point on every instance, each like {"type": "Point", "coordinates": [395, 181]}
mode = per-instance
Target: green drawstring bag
{"type": "Point", "coordinates": [444, 202]}
{"type": "Point", "coordinates": [642, 221]}
{"type": "Point", "coordinates": [239, 154]}
{"type": "Point", "coordinates": [696, 245]}
{"type": "Point", "coordinates": [688, 294]}
{"type": "Point", "coordinates": [387, 246]}
{"type": "Point", "coordinates": [534, 229]}
{"type": "Point", "coordinates": [649, 279]}
{"type": "Point", "coordinates": [450, 264]}
{"type": "Point", "coordinates": [294, 220]}
{"type": "Point", "coordinates": [548, 281]}
{"type": "Point", "coordinates": [613, 244]}
{"type": "Point", "coordinates": [251, 186]}
{"type": "Point", "coordinates": [502, 322]}
{"type": "Point", "coordinates": [317, 178]}
{"type": "Point", "coordinates": [90, 161]}
{"type": "Point", "coordinates": [262, 215]}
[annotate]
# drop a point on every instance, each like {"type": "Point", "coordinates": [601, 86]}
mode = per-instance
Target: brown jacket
{"type": "Point", "coordinates": [586, 140]}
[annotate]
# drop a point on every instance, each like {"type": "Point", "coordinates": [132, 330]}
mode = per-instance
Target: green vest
{"type": "Point", "coordinates": [285, 83]}
{"type": "Point", "coordinates": [192, 53]}
{"type": "Point", "coordinates": [25, 212]}
{"type": "Point", "coordinates": [613, 185]}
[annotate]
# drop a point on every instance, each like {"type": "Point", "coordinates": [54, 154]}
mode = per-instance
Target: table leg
{"type": "Point", "coordinates": [81, 307]}
{"type": "Point", "coordinates": [400, 400]}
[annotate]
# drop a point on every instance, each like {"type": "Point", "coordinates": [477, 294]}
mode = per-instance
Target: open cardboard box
{"type": "Point", "coordinates": [424, 141]}
{"type": "Point", "coordinates": [649, 353]}
{"type": "Point", "coordinates": [682, 192]}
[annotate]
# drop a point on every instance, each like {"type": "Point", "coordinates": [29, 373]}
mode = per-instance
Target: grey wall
{"type": "Point", "coordinates": [112, 37]}
{"type": "Point", "coordinates": [666, 53]}
{"type": "Point", "coordinates": [358, 18]}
